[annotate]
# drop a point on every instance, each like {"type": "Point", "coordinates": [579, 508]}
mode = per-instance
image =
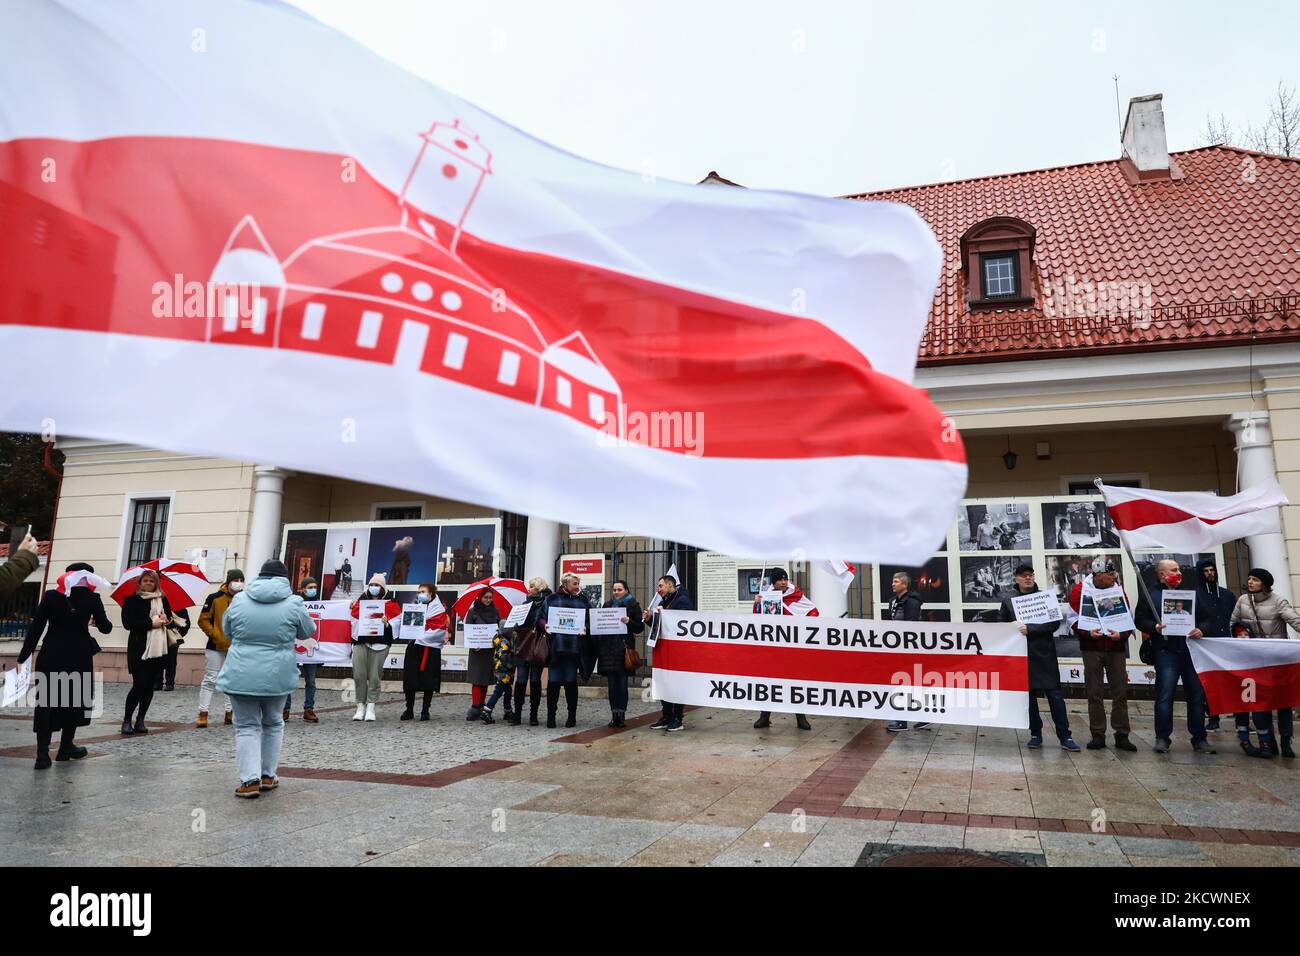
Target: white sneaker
{"type": "Point", "coordinates": [361, 712]}
{"type": "Point", "coordinates": [370, 711]}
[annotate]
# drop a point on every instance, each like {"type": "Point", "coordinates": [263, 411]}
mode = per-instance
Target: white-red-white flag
{"type": "Point", "coordinates": [365, 258]}
{"type": "Point", "coordinates": [843, 571]}
{"type": "Point", "coordinates": [1243, 674]}
{"type": "Point", "coordinates": [1192, 521]}
{"type": "Point", "coordinates": [333, 641]}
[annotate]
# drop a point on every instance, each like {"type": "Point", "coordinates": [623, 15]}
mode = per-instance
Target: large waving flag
{"type": "Point", "coordinates": [1192, 521]}
{"type": "Point", "coordinates": [233, 198]}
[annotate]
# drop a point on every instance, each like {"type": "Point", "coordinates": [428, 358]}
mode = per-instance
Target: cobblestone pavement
{"type": "Point", "coordinates": [447, 792]}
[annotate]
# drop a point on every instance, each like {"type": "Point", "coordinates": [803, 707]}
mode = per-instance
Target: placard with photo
{"type": "Point", "coordinates": [1064, 571]}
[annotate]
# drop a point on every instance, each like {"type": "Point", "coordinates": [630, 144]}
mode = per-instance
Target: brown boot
{"type": "Point", "coordinates": [203, 719]}
{"type": "Point", "coordinates": [249, 790]}
{"type": "Point", "coordinates": [286, 714]}
{"type": "Point", "coordinates": [309, 715]}
{"type": "Point", "coordinates": [230, 718]}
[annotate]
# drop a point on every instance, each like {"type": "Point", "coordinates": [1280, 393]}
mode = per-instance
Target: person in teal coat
{"type": "Point", "coordinates": [263, 623]}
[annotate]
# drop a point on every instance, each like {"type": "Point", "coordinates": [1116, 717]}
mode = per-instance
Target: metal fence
{"type": "Point", "coordinates": [17, 611]}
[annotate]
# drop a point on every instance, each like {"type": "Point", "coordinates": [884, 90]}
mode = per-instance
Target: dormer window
{"type": "Point", "coordinates": [1001, 277]}
{"type": "Point", "coordinates": [997, 259]}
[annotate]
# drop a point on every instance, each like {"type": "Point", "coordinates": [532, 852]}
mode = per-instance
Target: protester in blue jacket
{"type": "Point", "coordinates": [263, 623]}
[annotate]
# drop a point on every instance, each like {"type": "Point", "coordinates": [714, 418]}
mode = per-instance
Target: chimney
{"type": "Point", "coordinates": [1144, 139]}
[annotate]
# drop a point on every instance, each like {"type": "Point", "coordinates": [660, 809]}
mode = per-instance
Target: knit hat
{"type": "Point", "coordinates": [234, 574]}
{"type": "Point", "coordinates": [378, 578]}
{"type": "Point", "coordinates": [778, 574]}
{"type": "Point", "coordinates": [1264, 576]}
{"type": "Point", "coordinates": [1103, 565]}
{"type": "Point", "coordinates": [273, 569]}
{"type": "Point", "coordinates": [308, 582]}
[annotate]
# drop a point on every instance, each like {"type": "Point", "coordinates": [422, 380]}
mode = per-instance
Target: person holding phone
{"type": "Point", "coordinates": [22, 562]}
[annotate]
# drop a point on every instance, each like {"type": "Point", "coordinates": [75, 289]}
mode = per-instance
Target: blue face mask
{"type": "Point", "coordinates": [422, 598]}
{"type": "Point", "coordinates": [374, 590]}
{"type": "Point", "coordinates": [310, 594]}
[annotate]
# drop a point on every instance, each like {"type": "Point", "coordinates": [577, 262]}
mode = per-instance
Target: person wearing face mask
{"type": "Point", "coordinates": [369, 651]}
{"type": "Point", "coordinates": [1174, 662]}
{"type": "Point", "coordinates": [308, 590]}
{"type": "Point", "coordinates": [1264, 614]}
{"type": "Point", "coordinates": [422, 666]}
{"type": "Point", "coordinates": [481, 670]}
{"type": "Point", "coordinates": [214, 657]}
{"type": "Point", "coordinates": [1105, 662]}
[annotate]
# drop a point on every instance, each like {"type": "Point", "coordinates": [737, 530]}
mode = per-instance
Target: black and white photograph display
{"type": "Point", "coordinates": [993, 527]}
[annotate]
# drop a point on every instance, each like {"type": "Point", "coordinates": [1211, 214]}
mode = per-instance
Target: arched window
{"type": "Point", "coordinates": [997, 256]}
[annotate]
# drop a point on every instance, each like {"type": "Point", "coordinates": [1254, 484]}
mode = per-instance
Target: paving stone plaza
{"type": "Point", "coordinates": [448, 792]}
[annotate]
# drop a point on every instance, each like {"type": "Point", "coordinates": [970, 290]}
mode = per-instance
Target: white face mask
{"type": "Point", "coordinates": [236, 585]}
{"type": "Point", "coordinates": [374, 590]}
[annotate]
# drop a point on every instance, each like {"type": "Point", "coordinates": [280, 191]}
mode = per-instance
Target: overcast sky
{"type": "Point", "coordinates": [833, 96]}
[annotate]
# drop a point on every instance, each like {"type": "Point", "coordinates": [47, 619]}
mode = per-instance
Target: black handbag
{"type": "Point", "coordinates": [1146, 653]}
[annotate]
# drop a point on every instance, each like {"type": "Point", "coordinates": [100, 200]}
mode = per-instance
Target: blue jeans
{"type": "Point", "coordinates": [1263, 720]}
{"type": "Point", "coordinates": [1056, 704]}
{"type": "Point", "coordinates": [499, 690]}
{"type": "Point", "coordinates": [618, 692]}
{"type": "Point", "coordinates": [1172, 666]}
{"type": "Point", "coordinates": [309, 681]}
{"type": "Point", "coordinates": [259, 732]}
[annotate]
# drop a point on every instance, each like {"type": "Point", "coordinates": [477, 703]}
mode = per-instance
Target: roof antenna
{"type": "Point", "coordinates": [1118, 124]}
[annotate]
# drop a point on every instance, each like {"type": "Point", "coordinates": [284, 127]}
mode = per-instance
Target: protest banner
{"type": "Point", "coordinates": [972, 674]}
{"type": "Point", "coordinates": [1178, 612]}
{"type": "Point", "coordinates": [518, 614]}
{"type": "Point", "coordinates": [413, 617]}
{"type": "Point", "coordinates": [333, 621]}
{"type": "Point", "coordinates": [16, 683]}
{"type": "Point", "coordinates": [479, 636]}
{"type": "Point", "coordinates": [1039, 607]}
{"type": "Point", "coordinates": [608, 620]}
{"type": "Point", "coordinates": [566, 620]}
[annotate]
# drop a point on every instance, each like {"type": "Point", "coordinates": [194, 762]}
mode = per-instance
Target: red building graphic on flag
{"type": "Point", "coordinates": [400, 294]}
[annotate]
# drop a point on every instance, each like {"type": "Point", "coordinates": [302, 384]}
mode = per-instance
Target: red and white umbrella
{"type": "Point", "coordinates": [506, 593]}
{"type": "Point", "coordinates": [182, 583]}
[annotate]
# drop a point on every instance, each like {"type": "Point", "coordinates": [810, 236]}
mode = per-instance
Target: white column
{"type": "Point", "coordinates": [830, 598]}
{"type": "Point", "coordinates": [1255, 463]}
{"type": "Point", "coordinates": [542, 550]}
{"type": "Point", "coordinates": [264, 528]}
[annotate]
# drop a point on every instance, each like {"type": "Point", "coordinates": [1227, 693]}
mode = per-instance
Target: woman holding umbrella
{"type": "Point", "coordinates": [487, 601]}
{"type": "Point", "coordinates": [148, 594]}
{"type": "Point", "coordinates": [147, 615]}
{"type": "Point", "coordinates": [68, 651]}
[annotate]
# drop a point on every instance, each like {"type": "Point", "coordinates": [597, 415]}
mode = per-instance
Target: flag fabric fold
{"type": "Point", "coordinates": [1241, 674]}
{"type": "Point", "coordinates": [1192, 521]}
{"type": "Point", "coordinates": [372, 258]}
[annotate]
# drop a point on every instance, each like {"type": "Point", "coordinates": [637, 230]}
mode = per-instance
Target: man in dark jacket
{"type": "Point", "coordinates": [905, 605]}
{"type": "Point", "coordinates": [1044, 672]}
{"type": "Point", "coordinates": [1174, 662]}
{"type": "Point", "coordinates": [1220, 601]}
{"type": "Point", "coordinates": [672, 598]}
{"type": "Point", "coordinates": [1105, 661]}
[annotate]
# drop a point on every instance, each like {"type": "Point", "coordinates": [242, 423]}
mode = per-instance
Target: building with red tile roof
{"type": "Point", "coordinates": [1207, 255]}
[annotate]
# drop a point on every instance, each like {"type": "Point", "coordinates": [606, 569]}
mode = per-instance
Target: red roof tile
{"type": "Point", "coordinates": [1209, 259]}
